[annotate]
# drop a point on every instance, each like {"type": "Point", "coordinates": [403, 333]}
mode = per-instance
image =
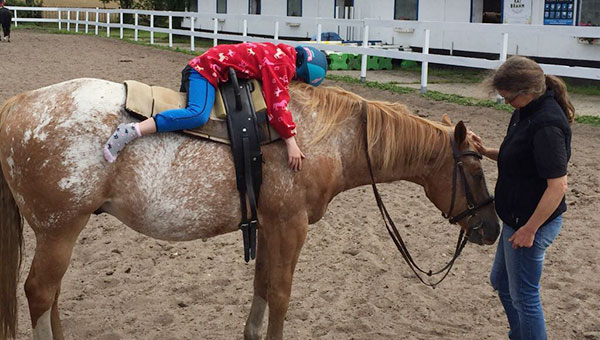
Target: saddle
{"type": "Point", "coordinates": [238, 118]}
{"type": "Point", "coordinates": [144, 101]}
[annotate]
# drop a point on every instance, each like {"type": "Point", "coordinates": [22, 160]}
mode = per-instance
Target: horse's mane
{"type": "Point", "coordinates": [394, 133]}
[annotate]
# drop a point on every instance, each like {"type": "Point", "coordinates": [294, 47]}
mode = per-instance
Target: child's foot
{"type": "Point", "coordinates": [125, 133]}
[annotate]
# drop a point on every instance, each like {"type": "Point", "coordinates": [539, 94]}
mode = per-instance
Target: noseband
{"type": "Point", "coordinates": [472, 207]}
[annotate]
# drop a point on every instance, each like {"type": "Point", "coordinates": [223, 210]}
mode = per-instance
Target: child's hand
{"type": "Point", "coordinates": [295, 156]}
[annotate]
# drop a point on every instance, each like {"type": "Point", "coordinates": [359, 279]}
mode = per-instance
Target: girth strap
{"type": "Point", "coordinates": [247, 157]}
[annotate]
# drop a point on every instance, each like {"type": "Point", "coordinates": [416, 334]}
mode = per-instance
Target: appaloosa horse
{"type": "Point", "coordinates": [172, 187]}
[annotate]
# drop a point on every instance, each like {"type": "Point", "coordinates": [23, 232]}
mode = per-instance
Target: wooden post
{"type": "Point", "coordinates": [425, 64]}
{"type": "Point", "coordinates": [135, 30]}
{"type": "Point", "coordinates": [151, 29]}
{"type": "Point", "coordinates": [96, 31]}
{"type": "Point", "coordinates": [192, 38]}
{"type": "Point", "coordinates": [363, 64]}
{"type": "Point", "coordinates": [216, 30]}
{"type": "Point", "coordinates": [170, 33]}
{"type": "Point", "coordinates": [503, 54]}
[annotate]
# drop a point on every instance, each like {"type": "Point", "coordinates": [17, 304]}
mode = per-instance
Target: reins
{"type": "Point", "coordinates": [391, 226]}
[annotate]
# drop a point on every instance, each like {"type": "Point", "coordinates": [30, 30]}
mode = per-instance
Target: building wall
{"type": "Point", "coordinates": [429, 10]}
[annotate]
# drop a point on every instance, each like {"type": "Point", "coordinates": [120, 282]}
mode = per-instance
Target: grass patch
{"type": "Point", "coordinates": [588, 90]}
{"type": "Point", "coordinates": [451, 74]}
{"type": "Point", "coordinates": [467, 101]}
{"type": "Point", "coordinates": [161, 40]}
{"type": "Point", "coordinates": [590, 120]}
{"type": "Point", "coordinates": [372, 84]}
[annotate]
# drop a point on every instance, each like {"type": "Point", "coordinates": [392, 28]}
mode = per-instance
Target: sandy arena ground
{"type": "Point", "coordinates": [350, 282]}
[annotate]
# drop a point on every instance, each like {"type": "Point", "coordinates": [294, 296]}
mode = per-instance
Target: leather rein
{"type": "Point", "coordinates": [472, 207]}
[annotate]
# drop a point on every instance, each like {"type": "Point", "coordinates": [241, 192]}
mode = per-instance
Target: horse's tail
{"type": "Point", "coordinates": [11, 244]}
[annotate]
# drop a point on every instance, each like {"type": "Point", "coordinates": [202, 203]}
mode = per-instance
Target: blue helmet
{"type": "Point", "coordinates": [311, 65]}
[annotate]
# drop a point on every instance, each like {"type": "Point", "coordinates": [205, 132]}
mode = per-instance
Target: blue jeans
{"type": "Point", "coordinates": [516, 276]}
{"type": "Point", "coordinates": [201, 98]}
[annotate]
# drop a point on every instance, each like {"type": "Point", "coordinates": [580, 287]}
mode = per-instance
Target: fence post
{"type": "Point", "coordinates": [170, 33]}
{"type": "Point", "coordinates": [77, 21]}
{"type": "Point", "coordinates": [503, 54]}
{"type": "Point", "coordinates": [245, 31]}
{"type": "Point", "coordinates": [87, 22]}
{"type": "Point", "coordinates": [363, 64]}
{"type": "Point", "coordinates": [121, 24]}
{"type": "Point", "coordinates": [68, 20]}
{"type": "Point", "coordinates": [59, 20]}
{"type": "Point", "coordinates": [135, 30]}
{"type": "Point", "coordinates": [319, 32]}
{"type": "Point", "coordinates": [96, 30]}
{"type": "Point", "coordinates": [151, 29]}
{"type": "Point", "coordinates": [276, 36]}
{"type": "Point", "coordinates": [216, 30]}
{"type": "Point", "coordinates": [16, 18]}
{"type": "Point", "coordinates": [192, 38]}
{"type": "Point", "coordinates": [108, 25]}
{"type": "Point", "coordinates": [425, 64]}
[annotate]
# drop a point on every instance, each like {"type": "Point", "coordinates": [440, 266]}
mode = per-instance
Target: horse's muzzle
{"type": "Point", "coordinates": [482, 232]}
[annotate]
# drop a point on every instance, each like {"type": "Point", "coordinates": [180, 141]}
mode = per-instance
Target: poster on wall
{"type": "Point", "coordinates": [559, 12]}
{"type": "Point", "coordinates": [517, 11]}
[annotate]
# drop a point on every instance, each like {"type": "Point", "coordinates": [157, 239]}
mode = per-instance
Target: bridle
{"type": "Point", "coordinates": [472, 207]}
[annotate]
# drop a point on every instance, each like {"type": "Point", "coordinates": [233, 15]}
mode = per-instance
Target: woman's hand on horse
{"type": "Point", "coordinates": [477, 142]}
{"type": "Point", "coordinates": [295, 155]}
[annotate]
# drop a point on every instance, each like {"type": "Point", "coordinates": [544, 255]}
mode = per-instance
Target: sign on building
{"type": "Point", "coordinates": [517, 12]}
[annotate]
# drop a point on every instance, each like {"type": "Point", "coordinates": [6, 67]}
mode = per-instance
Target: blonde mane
{"type": "Point", "coordinates": [394, 134]}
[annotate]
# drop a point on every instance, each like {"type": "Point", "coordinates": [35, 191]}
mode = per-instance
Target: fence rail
{"type": "Point", "coordinates": [206, 25]}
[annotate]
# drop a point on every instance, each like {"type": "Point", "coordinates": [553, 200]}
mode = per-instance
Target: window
{"type": "Point", "coordinates": [405, 9]}
{"type": "Point", "coordinates": [559, 12]}
{"type": "Point", "coordinates": [221, 6]}
{"type": "Point", "coordinates": [294, 8]}
{"type": "Point", "coordinates": [254, 7]}
{"type": "Point", "coordinates": [589, 13]}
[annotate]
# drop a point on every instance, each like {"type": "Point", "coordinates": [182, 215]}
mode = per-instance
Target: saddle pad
{"type": "Point", "coordinates": [144, 101]}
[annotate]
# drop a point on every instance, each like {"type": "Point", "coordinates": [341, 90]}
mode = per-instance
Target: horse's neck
{"type": "Point", "coordinates": [344, 145]}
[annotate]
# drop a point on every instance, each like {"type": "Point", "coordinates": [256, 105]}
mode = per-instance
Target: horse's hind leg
{"type": "Point", "coordinates": [42, 287]}
{"type": "Point", "coordinates": [259, 300]}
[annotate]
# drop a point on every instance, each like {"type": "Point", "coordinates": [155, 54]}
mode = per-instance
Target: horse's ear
{"type": "Point", "coordinates": [446, 120]}
{"type": "Point", "coordinates": [460, 133]}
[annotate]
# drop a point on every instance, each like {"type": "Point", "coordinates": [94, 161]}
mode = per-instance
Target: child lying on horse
{"type": "Point", "coordinates": [274, 65]}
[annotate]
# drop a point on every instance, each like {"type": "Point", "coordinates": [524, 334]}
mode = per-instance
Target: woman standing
{"type": "Point", "coordinates": [530, 192]}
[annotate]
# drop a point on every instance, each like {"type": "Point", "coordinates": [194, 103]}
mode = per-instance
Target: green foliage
{"type": "Point", "coordinates": [26, 3]}
{"type": "Point", "coordinates": [157, 5]}
{"type": "Point", "coordinates": [585, 119]}
{"type": "Point", "coordinates": [372, 84]}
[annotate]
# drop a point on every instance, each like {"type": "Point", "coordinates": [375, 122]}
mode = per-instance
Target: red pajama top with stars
{"type": "Point", "coordinates": [274, 65]}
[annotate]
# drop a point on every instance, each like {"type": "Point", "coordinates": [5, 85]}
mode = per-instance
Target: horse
{"type": "Point", "coordinates": [173, 187]}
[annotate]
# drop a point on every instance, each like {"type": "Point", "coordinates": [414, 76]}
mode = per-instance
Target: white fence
{"type": "Point", "coordinates": [206, 25]}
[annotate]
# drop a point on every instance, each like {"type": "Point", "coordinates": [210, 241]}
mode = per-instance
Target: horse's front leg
{"type": "Point", "coordinates": [284, 239]}
{"type": "Point", "coordinates": [259, 300]}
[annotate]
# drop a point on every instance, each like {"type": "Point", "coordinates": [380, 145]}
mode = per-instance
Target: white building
{"type": "Point", "coordinates": [502, 12]}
